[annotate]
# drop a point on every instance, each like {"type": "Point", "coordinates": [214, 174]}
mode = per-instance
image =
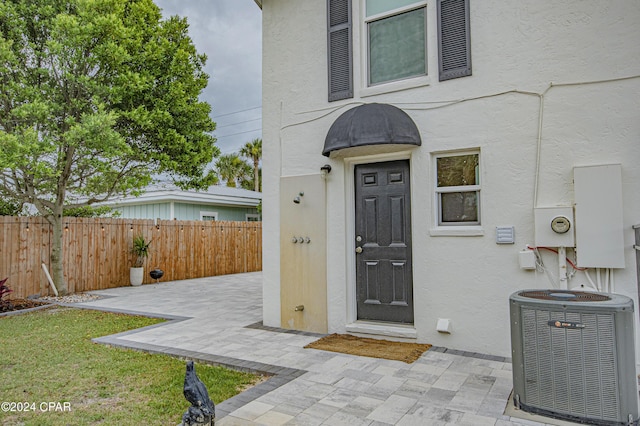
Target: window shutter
{"type": "Point", "coordinates": [340, 50]}
{"type": "Point", "coordinates": [454, 39]}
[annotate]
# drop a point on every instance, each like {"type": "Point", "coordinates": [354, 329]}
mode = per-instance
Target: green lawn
{"type": "Point", "coordinates": [48, 357]}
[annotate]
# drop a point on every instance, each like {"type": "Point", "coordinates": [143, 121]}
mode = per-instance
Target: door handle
{"type": "Point", "coordinates": [358, 250]}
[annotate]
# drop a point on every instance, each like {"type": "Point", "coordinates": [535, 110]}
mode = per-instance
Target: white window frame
{"type": "Point", "coordinates": [209, 214]}
{"type": "Point", "coordinates": [254, 216]}
{"type": "Point", "coordinates": [401, 83]}
{"type": "Point", "coordinates": [460, 228]}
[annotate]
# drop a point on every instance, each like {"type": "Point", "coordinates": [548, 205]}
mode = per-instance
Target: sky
{"type": "Point", "coordinates": [229, 32]}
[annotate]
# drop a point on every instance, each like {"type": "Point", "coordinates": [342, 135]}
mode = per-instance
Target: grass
{"type": "Point", "coordinates": [47, 356]}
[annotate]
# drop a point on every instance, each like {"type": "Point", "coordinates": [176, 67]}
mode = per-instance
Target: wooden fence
{"type": "Point", "coordinates": [97, 251]}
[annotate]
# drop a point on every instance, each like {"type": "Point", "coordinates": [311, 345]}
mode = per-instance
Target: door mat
{"type": "Point", "coordinates": [374, 348]}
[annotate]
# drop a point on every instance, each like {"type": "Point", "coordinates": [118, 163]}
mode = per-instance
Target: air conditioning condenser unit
{"type": "Point", "coordinates": [574, 356]}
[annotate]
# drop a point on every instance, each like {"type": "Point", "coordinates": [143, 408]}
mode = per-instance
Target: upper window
{"type": "Point", "coordinates": [397, 44]}
{"type": "Point", "coordinates": [458, 189]}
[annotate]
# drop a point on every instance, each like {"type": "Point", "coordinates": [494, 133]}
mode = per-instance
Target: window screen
{"type": "Point", "coordinates": [458, 170]}
{"type": "Point", "coordinates": [397, 47]}
{"type": "Point", "coordinates": [459, 207]}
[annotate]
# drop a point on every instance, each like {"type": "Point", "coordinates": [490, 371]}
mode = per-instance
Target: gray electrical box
{"type": "Point", "coordinates": [574, 356]}
{"type": "Point", "coordinates": [599, 221]}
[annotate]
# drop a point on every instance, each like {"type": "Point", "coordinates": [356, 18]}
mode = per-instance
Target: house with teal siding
{"type": "Point", "coordinates": [168, 202]}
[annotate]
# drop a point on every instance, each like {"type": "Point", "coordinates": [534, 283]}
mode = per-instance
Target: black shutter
{"type": "Point", "coordinates": [454, 39]}
{"type": "Point", "coordinates": [340, 50]}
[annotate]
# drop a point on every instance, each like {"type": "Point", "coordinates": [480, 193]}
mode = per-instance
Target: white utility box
{"type": "Point", "coordinates": [527, 259]}
{"type": "Point", "coordinates": [599, 224]}
{"type": "Point", "coordinates": [554, 227]}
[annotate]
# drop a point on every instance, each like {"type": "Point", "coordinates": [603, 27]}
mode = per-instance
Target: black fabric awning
{"type": "Point", "coordinates": [371, 124]}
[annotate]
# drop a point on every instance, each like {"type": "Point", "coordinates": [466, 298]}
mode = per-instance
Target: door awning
{"type": "Point", "coordinates": [371, 124]}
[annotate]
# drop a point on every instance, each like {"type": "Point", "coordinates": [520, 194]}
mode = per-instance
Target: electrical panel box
{"type": "Point", "coordinates": [554, 227]}
{"type": "Point", "coordinates": [599, 222]}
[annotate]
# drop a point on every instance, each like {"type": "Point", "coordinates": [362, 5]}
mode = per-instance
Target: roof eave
{"type": "Point", "coordinates": [189, 198]}
{"type": "Point", "coordinates": [259, 3]}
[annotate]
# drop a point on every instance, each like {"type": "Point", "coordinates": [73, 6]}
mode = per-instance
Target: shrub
{"type": "Point", "coordinates": [140, 249]}
{"type": "Point", "coordinates": [4, 290]}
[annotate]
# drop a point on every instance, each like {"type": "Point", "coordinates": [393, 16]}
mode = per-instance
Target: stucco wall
{"type": "Point", "coordinates": [576, 62]}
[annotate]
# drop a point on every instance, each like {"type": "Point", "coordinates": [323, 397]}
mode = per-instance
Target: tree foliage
{"type": "Point", "coordinates": [98, 96]}
{"type": "Point", "coordinates": [253, 152]}
{"type": "Point", "coordinates": [10, 208]}
{"type": "Point", "coordinates": [91, 211]}
{"type": "Point", "coordinates": [233, 170]}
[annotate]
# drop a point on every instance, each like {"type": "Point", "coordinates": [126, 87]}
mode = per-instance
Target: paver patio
{"type": "Point", "coordinates": [218, 319]}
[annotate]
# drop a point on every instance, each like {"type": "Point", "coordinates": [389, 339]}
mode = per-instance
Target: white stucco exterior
{"type": "Point", "coordinates": [555, 85]}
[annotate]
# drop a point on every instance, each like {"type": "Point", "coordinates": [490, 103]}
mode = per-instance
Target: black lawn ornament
{"type": "Point", "coordinates": [202, 410]}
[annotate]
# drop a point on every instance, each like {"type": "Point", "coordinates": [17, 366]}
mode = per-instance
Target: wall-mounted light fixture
{"type": "Point", "coordinates": [297, 199]}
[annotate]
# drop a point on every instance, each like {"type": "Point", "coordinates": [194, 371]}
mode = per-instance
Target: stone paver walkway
{"type": "Point", "coordinates": [218, 319]}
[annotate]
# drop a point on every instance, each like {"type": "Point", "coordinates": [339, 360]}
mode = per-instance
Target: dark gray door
{"type": "Point", "coordinates": [384, 281]}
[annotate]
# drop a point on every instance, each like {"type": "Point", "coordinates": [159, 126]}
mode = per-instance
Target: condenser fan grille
{"type": "Point", "coordinates": [564, 295]}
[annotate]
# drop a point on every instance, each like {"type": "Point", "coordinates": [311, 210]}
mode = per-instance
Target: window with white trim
{"type": "Point", "coordinates": [395, 44]}
{"type": "Point", "coordinates": [458, 188]}
{"type": "Point", "coordinates": [209, 216]}
{"type": "Point", "coordinates": [252, 217]}
{"type": "Point", "coordinates": [396, 39]}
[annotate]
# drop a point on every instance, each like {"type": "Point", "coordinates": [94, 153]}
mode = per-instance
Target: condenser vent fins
{"type": "Point", "coordinates": [574, 356]}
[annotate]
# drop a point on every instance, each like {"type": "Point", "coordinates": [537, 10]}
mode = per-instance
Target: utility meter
{"type": "Point", "coordinates": [553, 227]}
{"type": "Point", "coordinates": [560, 224]}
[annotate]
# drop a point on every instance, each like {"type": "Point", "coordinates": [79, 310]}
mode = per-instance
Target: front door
{"type": "Point", "coordinates": [384, 283]}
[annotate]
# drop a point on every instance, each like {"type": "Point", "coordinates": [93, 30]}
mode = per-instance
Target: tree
{"type": "Point", "coordinates": [90, 211]}
{"type": "Point", "coordinates": [10, 208]}
{"type": "Point", "coordinates": [232, 169]}
{"type": "Point", "coordinates": [98, 96]}
{"type": "Point", "coordinates": [253, 151]}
